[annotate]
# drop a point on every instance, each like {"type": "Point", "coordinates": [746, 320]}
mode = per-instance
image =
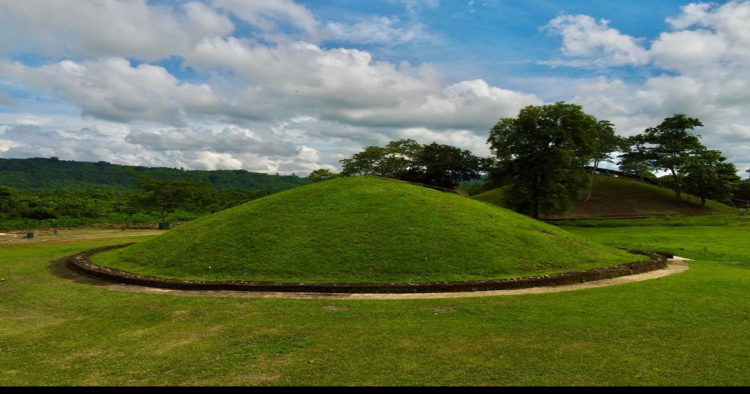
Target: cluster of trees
{"type": "Point", "coordinates": [434, 164]}
{"type": "Point", "coordinates": [49, 191]}
{"type": "Point", "coordinates": [691, 167]}
{"type": "Point", "coordinates": [186, 198]}
{"type": "Point", "coordinates": [542, 154]}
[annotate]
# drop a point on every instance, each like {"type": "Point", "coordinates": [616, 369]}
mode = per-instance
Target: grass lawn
{"type": "Point", "coordinates": [687, 329]}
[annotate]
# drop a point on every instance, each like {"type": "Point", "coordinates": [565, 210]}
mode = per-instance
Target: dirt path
{"type": "Point", "coordinates": [676, 265]}
{"type": "Point", "coordinates": [66, 236]}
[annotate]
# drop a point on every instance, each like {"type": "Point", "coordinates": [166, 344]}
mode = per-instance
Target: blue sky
{"type": "Point", "coordinates": [290, 87]}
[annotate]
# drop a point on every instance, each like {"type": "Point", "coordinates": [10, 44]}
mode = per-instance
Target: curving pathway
{"type": "Point", "coordinates": [68, 268]}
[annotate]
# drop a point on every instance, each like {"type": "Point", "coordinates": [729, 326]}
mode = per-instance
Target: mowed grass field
{"type": "Point", "coordinates": [691, 328]}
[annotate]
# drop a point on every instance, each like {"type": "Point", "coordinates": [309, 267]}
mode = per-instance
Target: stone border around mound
{"type": "Point", "coordinates": [81, 264]}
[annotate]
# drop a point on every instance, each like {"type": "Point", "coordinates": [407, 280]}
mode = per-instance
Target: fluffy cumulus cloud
{"type": "Point", "coordinates": [231, 148]}
{"type": "Point", "coordinates": [113, 89]}
{"type": "Point", "coordinates": [590, 42]}
{"type": "Point", "coordinates": [271, 87]}
{"type": "Point", "coordinates": [303, 100]}
{"type": "Point", "coordinates": [131, 28]}
{"type": "Point", "coordinates": [266, 14]}
{"type": "Point", "coordinates": [701, 68]}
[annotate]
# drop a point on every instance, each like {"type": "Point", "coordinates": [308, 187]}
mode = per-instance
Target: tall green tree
{"type": "Point", "coordinates": [547, 148]}
{"type": "Point", "coordinates": [391, 161]}
{"type": "Point", "coordinates": [709, 176]}
{"type": "Point", "coordinates": [434, 164]}
{"type": "Point", "coordinates": [634, 165]}
{"type": "Point", "coordinates": [607, 142]}
{"type": "Point", "coordinates": [742, 191]}
{"type": "Point", "coordinates": [445, 166]}
{"type": "Point", "coordinates": [668, 147]}
{"type": "Point", "coordinates": [321, 175]}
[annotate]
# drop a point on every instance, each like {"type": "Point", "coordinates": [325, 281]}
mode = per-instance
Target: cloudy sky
{"type": "Point", "coordinates": [292, 86]}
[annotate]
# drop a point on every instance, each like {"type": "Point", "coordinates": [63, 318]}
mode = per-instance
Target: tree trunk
{"type": "Point", "coordinates": [591, 185]}
{"type": "Point", "coordinates": [535, 210]}
{"type": "Point", "coordinates": [703, 201]}
{"type": "Point", "coordinates": [677, 191]}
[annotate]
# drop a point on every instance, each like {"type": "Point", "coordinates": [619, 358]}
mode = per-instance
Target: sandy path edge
{"type": "Point", "coordinates": [676, 266]}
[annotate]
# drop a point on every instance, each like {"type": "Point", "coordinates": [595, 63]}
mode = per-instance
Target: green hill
{"type": "Point", "coordinates": [55, 174]}
{"type": "Point", "coordinates": [621, 197]}
{"type": "Point", "coordinates": [362, 229]}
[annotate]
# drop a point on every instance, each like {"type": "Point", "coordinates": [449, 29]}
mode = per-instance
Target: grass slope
{"type": "Point", "coordinates": [621, 197]}
{"type": "Point", "coordinates": [362, 229]}
{"type": "Point", "coordinates": [680, 330]}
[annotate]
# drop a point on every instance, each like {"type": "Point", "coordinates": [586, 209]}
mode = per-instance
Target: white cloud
{"type": "Point", "coordinates": [377, 30]}
{"type": "Point", "coordinates": [346, 85]}
{"type": "Point", "coordinates": [113, 89]}
{"type": "Point", "coordinates": [594, 42]}
{"type": "Point", "coordinates": [721, 38]}
{"type": "Point", "coordinates": [107, 28]}
{"type": "Point", "coordinates": [296, 105]}
{"type": "Point", "coordinates": [686, 50]}
{"type": "Point", "coordinates": [266, 14]}
{"type": "Point", "coordinates": [189, 148]}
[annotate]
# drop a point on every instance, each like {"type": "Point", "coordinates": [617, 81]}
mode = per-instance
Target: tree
{"type": "Point", "coordinates": [167, 196]}
{"type": "Point", "coordinates": [668, 147]}
{"type": "Point", "coordinates": [709, 176]}
{"type": "Point", "coordinates": [392, 161]}
{"type": "Point", "coordinates": [9, 203]}
{"type": "Point", "coordinates": [607, 142]}
{"type": "Point", "coordinates": [635, 166]}
{"type": "Point", "coordinates": [546, 148]}
{"type": "Point", "coordinates": [321, 175]}
{"type": "Point", "coordinates": [434, 164]}
{"type": "Point", "coordinates": [445, 166]}
{"type": "Point", "coordinates": [742, 191]}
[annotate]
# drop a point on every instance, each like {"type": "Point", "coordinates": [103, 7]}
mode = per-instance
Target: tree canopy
{"type": "Point", "coordinates": [545, 149]}
{"type": "Point", "coordinates": [709, 176]}
{"type": "Point", "coordinates": [434, 164]}
{"type": "Point", "coordinates": [607, 142]}
{"type": "Point", "coordinates": [668, 147]}
{"type": "Point", "coordinates": [165, 197]}
{"type": "Point", "coordinates": [321, 175]}
{"type": "Point", "coordinates": [391, 161]}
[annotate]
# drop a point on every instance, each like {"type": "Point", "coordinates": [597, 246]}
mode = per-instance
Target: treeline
{"type": "Point", "coordinates": [74, 208]}
{"type": "Point", "coordinates": [58, 175]}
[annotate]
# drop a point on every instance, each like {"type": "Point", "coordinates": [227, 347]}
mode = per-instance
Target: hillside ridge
{"type": "Point", "coordinates": [362, 229]}
{"type": "Point", "coordinates": [54, 174]}
{"type": "Point", "coordinates": [615, 197]}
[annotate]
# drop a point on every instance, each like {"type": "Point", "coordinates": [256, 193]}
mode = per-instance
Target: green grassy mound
{"type": "Point", "coordinates": [362, 229]}
{"type": "Point", "coordinates": [621, 197]}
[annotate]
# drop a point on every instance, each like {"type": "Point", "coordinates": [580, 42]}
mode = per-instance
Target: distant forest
{"type": "Point", "coordinates": [47, 174]}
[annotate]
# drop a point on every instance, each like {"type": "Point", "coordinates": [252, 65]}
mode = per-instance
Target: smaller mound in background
{"type": "Point", "coordinates": [363, 229]}
{"type": "Point", "coordinates": [620, 197]}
